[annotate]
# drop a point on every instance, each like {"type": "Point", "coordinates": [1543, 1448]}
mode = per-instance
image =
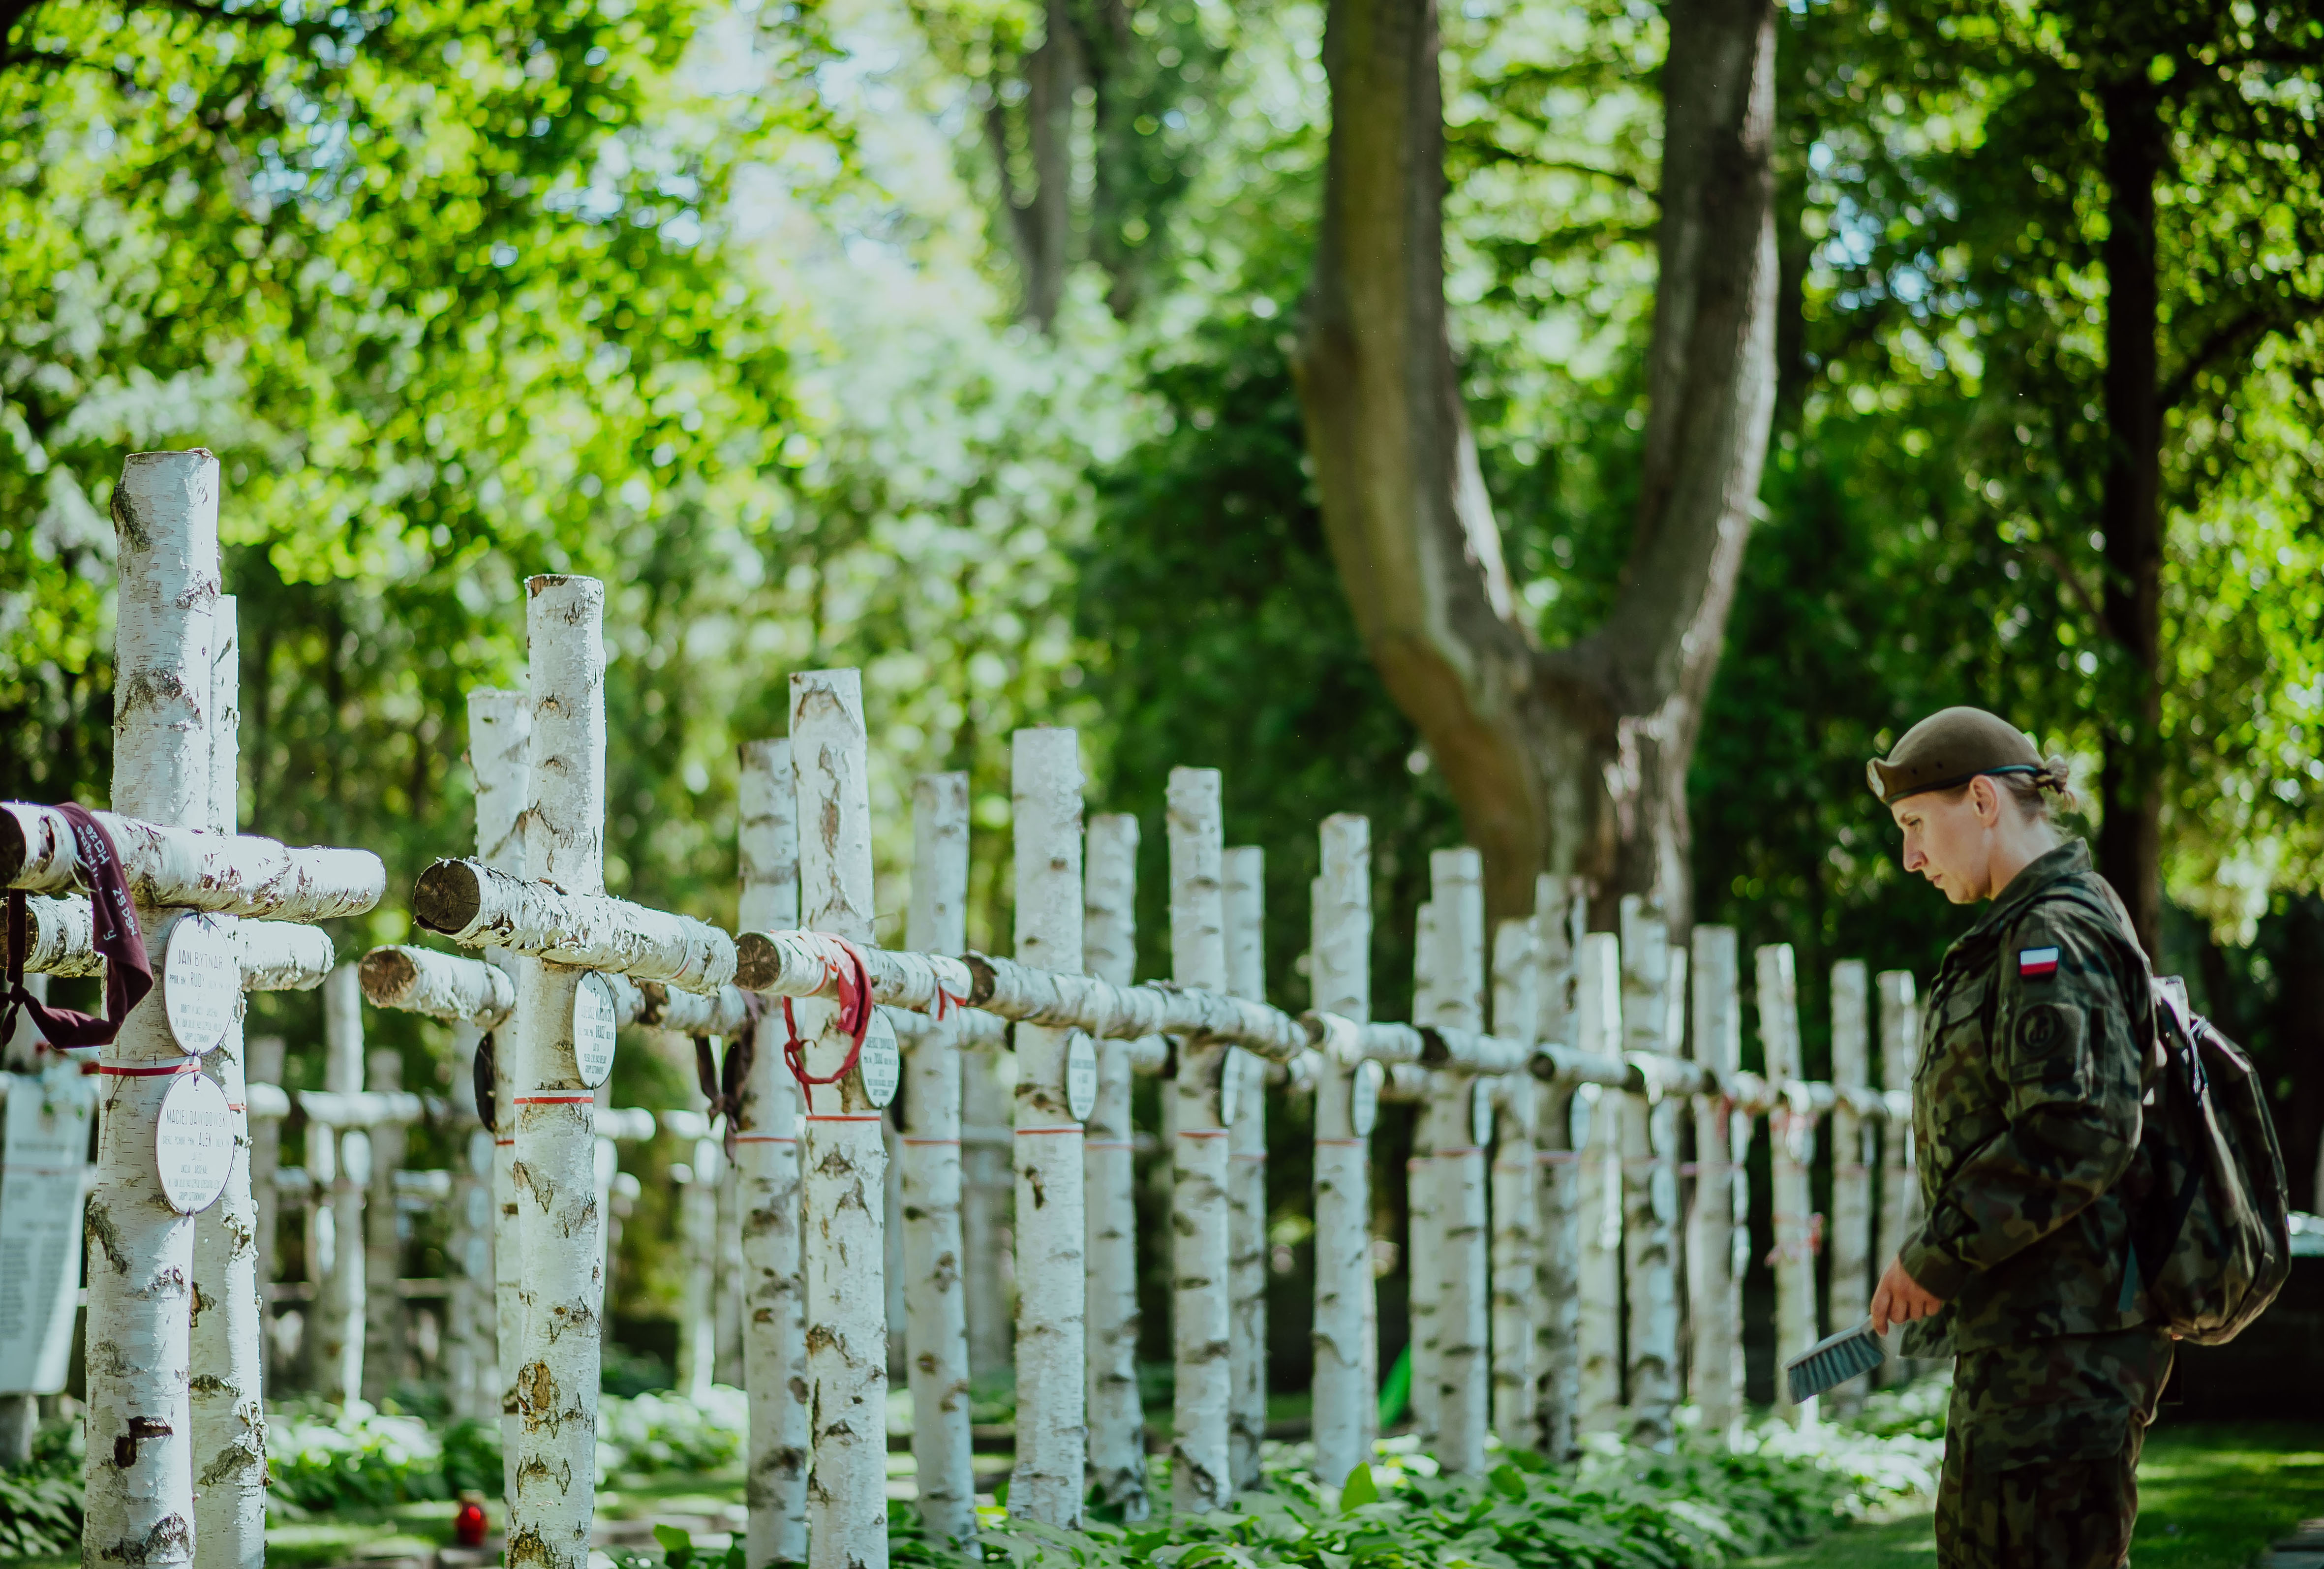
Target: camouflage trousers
{"type": "Point", "coordinates": [2041, 1444]}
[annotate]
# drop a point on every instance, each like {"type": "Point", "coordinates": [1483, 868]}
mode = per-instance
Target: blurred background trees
{"type": "Point", "coordinates": [955, 339]}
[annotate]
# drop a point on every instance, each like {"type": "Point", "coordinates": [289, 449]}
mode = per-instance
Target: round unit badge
{"type": "Point", "coordinates": [193, 1144]}
{"type": "Point", "coordinates": [201, 980]}
{"type": "Point", "coordinates": [594, 1029]}
{"type": "Point", "coordinates": [1080, 1075]}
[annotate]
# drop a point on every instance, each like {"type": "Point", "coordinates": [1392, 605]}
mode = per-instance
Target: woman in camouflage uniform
{"type": "Point", "coordinates": [2025, 1116]}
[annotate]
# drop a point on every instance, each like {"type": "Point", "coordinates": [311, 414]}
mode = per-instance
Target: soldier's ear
{"type": "Point", "coordinates": [1985, 799]}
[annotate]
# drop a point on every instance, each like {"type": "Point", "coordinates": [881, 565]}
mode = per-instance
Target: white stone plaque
{"type": "Point", "coordinates": [1481, 1112]}
{"type": "Point", "coordinates": [1234, 1068]}
{"type": "Point", "coordinates": [1080, 1075]}
{"type": "Point", "coordinates": [201, 980]}
{"type": "Point", "coordinates": [40, 1167]}
{"type": "Point", "coordinates": [594, 1029]}
{"type": "Point", "coordinates": [193, 1143]}
{"type": "Point", "coordinates": [1363, 1097]}
{"type": "Point", "coordinates": [880, 1063]}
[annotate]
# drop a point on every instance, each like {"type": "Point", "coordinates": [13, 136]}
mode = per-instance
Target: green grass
{"type": "Point", "coordinates": [2210, 1496]}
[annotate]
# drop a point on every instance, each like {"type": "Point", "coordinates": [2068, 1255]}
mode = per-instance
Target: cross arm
{"type": "Point", "coordinates": [277, 956]}
{"type": "Point", "coordinates": [179, 868]}
{"type": "Point", "coordinates": [1034, 996]}
{"type": "Point", "coordinates": [480, 908]}
{"type": "Point", "coordinates": [462, 991]}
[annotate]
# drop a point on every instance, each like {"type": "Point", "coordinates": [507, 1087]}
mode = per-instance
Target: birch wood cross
{"type": "Point", "coordinates": [139, 1418]}
{"type": "Point", "coordinates": [559, 916]}
{"type": "Point", "coordinates": [1117, 1415]}
{"type": "Point", "coordinates": [1347, 1358]}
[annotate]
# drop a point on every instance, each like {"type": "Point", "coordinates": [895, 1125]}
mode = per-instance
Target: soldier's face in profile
{"type": "Point", "coordinates": [1949, 839]}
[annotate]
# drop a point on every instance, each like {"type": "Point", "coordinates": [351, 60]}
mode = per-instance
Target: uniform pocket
{"type": "Point", "coordinates": [2010, 1436]}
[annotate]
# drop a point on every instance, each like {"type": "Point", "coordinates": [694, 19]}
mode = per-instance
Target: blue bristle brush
{"type": "Point", "coordinates": [1834, 1359]}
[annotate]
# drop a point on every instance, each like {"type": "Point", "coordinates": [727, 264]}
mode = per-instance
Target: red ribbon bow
{"type": "Point", "coordinates": [854, 1013]}
{"type": "Point", "coordinates": [128, 977]}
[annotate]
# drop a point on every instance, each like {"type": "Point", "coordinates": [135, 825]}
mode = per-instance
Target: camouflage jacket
{"type": "Point", "coordinates": [2025, 1118]}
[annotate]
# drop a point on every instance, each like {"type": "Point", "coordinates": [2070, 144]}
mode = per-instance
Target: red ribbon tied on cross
{"type": "Point", "coordinates": [113, 921]}
{"type": "Point", "coordinates": [843, 967]}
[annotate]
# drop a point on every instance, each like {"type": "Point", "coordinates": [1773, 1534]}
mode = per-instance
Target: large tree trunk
{"type": "Point", "coordinates": [1575, 758]}
{"type": "Point", "coordinates": [2130, 835]}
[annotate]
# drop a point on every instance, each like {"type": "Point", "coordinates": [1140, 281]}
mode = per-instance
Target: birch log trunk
{"type": "Point", "coordinates": [988, 1191]}
{"type": "Point", "coordinates": [1346, 1397]}
{"type": "Point", "coordinates": [139, 1476]}
{"type": "Point", "coordinates": [1515, 1200]}
{"type": "Point", "coordinates": [384, 1340]}
{"type": "Point", "coordinates": [341, 1291]}
{"type": "Point", "coordinates": [1598, 1285]}
{"type": "Point", "coordinates": [1561, 906]}
{"type": "Point", "coordinates": [1791, 1131]}
{"type": "Point", "coordinates": [1201, 1476]}
{"type": "Point", "coordinates": [500, 746]}
{"type": "Point", "coordinates": [471, 1357]}
{"type": "Point", "coordinates": [1900, 1193]}
{"type": "Point", "coordinates": [263, 1054]}
{"type": "Point", "coordinates": [1423, 1271]}
{"type": "Point", "coordinates": [227, 1344]}
{"type": "Point", "coordinates": [1117, 1415]}
{"type": "Point", "coordinates": [1851, 1288]}
{"type": "Point", "coordinates": [1052, 1437]}
{"type": "Point", "coordinates": [845, 1160]}
{"type": "Point", "coordinates": [1243, 906]}
{"type": "Point", "coordinates": [936, 1309]}
{"type": "Point", "coordinates": [1651, 974]}
{"type": "Point", "coordinates": [698, 1324]}
{"type": "Point", "coordinates": [1719, 1232]}
{"type": "Point", "coordinates": [1464, 1289]}
{"type": "Point", "coordinates": [766, 1149]}
{"type": "Point", "coordinates": [559, 1223]}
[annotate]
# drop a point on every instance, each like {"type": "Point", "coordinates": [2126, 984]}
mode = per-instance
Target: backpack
{"type": "Point", "coordinates": [2213, 1242]}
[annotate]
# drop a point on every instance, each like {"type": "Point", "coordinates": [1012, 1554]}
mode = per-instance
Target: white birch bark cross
{"type": "Point", "coordinates": [139, 1418]}
{"type": "Point", "coordinates": [559, 916]}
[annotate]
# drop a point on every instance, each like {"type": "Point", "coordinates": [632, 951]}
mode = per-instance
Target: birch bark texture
{"type": "Point", "coordinates": [935, 1308]}
{"type": "Point", "coordinates": [766, 1152]}
{"type": "Point", "coordinates": [1346, 1336]}
{"type": "Point", "coordinates": [1200, 1474]}
{"type": "Point", "coordinates": [1052, 1438]}
{"type": "Point", "coordinates": [1422, 1267]}
{"type": "Point", "coordinates": [227, 1344]}
{"type": "Point", "coordinates": [1791, 1130]}
{"type": "Point", "coordinates": [1514, 1199]}
{"type": "Point", "coordinates": [1851, 1288]}
{"type": "Point", "coordinates": [1900, 1192]}
{"type": "Point", "coordinates": [500, 746]}
{"type": "Point", "coordinates": [560, 1225]}
{"type": "Point", "coordinates": [1465, 1291]}
{"type": "Point", "coordinates": [1719, 1232]}
{"type": "Point", "coordinates": [1650, 1177]}
{"type": "Point", "coordinates": [1599, 1283]}
{"type": "Point", "coordinates": [383, 1311]}
{"type": "Point", "coordinates": [342, 1158]}
{"type": "Point", "coordinates": [1244, 907]}
{"type": "Point", "coordinates": [1117, 1415]}
{"type": "Point", "coordinates": [139, 1476]}
{"type": "Point", "coordinates": [263, 1054]}
{"type": "Point", "coordinates": [844, 1158]}
{"type": "Point", "coordinates": [1561, 906]}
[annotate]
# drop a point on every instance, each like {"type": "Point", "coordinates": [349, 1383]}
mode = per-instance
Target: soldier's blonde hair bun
{"type": "Point", "coordinates": [2052, 786]}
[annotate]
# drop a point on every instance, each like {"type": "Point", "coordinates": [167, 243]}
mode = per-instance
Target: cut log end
{"type": "Point", "coordinates": [448, 897]}
{"type": "Point", "coordinates": [758, 964]}
{"type": "Point", "coordinates": [982, 980]}
{"type": "Point", "coordinates": [13, 850]}
{"type": "Point", "coordinates": [388, 975]}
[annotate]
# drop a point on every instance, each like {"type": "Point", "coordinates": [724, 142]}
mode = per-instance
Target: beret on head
{"type": "Point", "coordinates": [1950, 747]}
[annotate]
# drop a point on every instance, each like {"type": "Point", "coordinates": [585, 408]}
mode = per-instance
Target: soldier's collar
{"type": "Point", "coordinates": [2069, 859]}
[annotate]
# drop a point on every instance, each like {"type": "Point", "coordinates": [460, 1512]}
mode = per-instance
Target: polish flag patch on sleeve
{"type": "Point", "coordinates": [2033, 963]}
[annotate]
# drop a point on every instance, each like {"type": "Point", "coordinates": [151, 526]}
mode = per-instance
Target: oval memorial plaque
{"type": "Point", "coordinates": [1480, 1113]}
{"type": "Point", "coordinates": [1363, 1097]}
{"type": "Point", "coordinates": [1080, 1075]}
{"type": "Point", "coordinates": [193, 1144]}
{"type": "Point", "coordinates": [1233, 1067]}
{"type": "Point", "coordinates": [594, 1029]}
{"type": "Point", "coordinates": [201, 980]}
{"type": "Point", "coordinates": [882, 1065]}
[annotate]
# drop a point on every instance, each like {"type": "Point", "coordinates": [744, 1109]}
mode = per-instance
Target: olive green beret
{"type": "Point", "coordinates": [1950, 747]}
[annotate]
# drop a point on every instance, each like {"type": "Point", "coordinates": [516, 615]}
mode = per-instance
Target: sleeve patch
{"type": "Point", "coordinates": [2036, 964]}
{"type": "Point", "coordinates": [2040, 1026]}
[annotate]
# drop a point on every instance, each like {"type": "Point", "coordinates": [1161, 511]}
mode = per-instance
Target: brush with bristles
{"type": "Point", "coordinates": [1834, 1359]}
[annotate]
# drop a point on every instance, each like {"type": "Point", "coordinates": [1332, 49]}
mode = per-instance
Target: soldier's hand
{"type": "Point", "coordinates": [1900, 1299]}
